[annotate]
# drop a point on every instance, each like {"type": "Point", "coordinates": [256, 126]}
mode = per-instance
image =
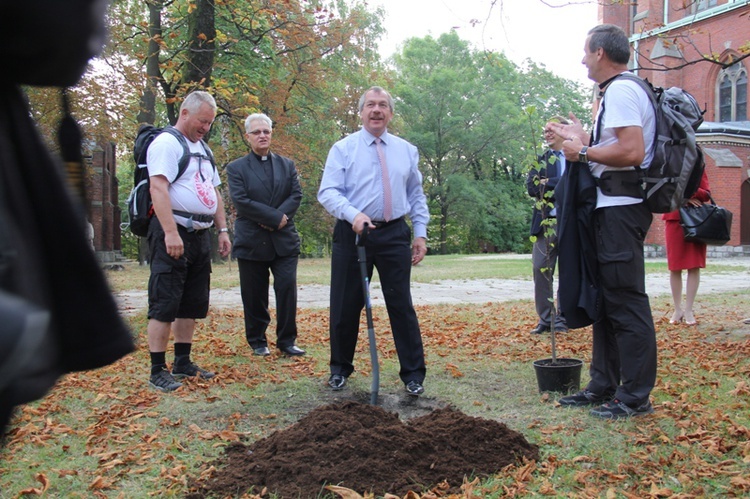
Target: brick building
{"type": "Point", "coordinates": [104, 209]}
{"type": "Point", "coordinates": [668, 34]}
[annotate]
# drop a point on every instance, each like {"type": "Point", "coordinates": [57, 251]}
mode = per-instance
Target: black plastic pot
{"type": "Point", "coordinates": [562, 376]}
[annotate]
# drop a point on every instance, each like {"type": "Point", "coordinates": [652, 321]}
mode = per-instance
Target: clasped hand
{"type": "Point", "coordinates": [574, 137]}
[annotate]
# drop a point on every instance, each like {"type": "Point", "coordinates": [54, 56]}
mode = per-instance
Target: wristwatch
{"type": "Point", "coordinates": [582, 156]}
{"type": "Point", "coordinates": [223, 230]}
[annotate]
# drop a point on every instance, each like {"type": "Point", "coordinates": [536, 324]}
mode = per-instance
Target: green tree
{"type": "Point", "coordinates": [438, 104]}
{"type": "Point", "coordinates": [306, 64]}
{"type": "Point", "coordinates": [300, 62]}
{"type": "Point", "coordinates": [463, 110]}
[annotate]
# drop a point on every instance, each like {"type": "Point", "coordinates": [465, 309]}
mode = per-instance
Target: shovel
{"type": "Point", "coordinates": [362, 259]}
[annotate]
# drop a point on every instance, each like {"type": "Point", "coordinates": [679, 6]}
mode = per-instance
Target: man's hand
{"type": "Point", "coordinates": [418, 250]}
{"type": "Point", "coordinates": [225, 245]}
{"type": "Point", "coordinates": [282, 224]}
{"type": "Point", "coordinates": [574, 137]}
{"type": "Point", "coordinates": [571, 130]}
{"type": "Point", "coordinates": [571, 147]}
{"type": "Point", "coordinates": [174, 244]}
{"type": "Point", "coordinates": [359, 223]}
{"type": "Point", "coordinates": [284, 221]}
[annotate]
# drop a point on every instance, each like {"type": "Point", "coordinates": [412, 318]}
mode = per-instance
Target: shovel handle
{"type": "Point", "coordinates": [362, 237]}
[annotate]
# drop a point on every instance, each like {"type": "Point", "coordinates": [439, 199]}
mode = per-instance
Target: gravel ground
{"type": "Point", "coordinates": [462, 291]}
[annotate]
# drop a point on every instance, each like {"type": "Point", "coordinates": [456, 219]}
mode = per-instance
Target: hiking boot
{"type": "Point", "coordinates": [619, 410]}
{"type": "Point", "coordinates": [583, 398]}
{"type": "Point", "coordinates": [190, 370]}
{"type": "Point", "coordinates": [164, 381]}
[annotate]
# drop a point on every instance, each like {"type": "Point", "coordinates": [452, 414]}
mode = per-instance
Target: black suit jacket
{"type": "Point", "coordinates": [548, 168]}
{"type": "Point", "coordinates": [579, 296]}
{"type": "Point", "coordinates": [258, 202]}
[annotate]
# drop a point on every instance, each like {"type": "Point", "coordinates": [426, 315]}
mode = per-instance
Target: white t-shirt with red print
{"type": "Point", "coordinates": [195, 190]}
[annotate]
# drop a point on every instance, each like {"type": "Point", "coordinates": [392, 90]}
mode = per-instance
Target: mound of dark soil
{"type": "Point", "coordinates": [365, 448]}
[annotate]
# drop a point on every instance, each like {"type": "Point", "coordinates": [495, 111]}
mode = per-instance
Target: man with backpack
{"type": "Point", "coordinates": [623, 363]}
{"type": "Point", "coordinates": [185, 207]}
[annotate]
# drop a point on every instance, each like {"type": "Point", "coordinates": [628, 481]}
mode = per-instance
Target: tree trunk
{"type": "Point", "coordinates": [201, 44]}
{"type": "Point", "coordinates": [147, 113]}
{"type": "Point", "coordinates": [443, 229]}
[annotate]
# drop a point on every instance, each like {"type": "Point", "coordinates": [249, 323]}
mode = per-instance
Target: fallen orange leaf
{"type": "Point", "coordinates": [343, 492]}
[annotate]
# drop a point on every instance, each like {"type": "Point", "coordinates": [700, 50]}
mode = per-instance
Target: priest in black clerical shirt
{"type": "Point", "coordinates": [266, 194]}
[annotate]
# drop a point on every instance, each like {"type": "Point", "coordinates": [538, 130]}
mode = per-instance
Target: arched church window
{"type": "Point", "coordinates": [732, 93]}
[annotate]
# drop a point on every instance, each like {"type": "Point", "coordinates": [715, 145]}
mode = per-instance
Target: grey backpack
{"type": "Point", "coordinates": [677, 166]}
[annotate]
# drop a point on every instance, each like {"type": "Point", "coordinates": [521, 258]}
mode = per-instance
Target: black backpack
{"type": "Point", "coordinates": [677, 165]}
{"type": "Point", "coordinates": [140, 209]}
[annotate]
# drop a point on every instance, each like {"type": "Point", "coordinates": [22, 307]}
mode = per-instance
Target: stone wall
{"type": "Point", "coordinates": [658, 251]}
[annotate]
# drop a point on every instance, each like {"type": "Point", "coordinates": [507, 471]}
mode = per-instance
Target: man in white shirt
{"type": "Point", "coordinates": [179, 240]}
{"type": "Point", "coordinates": [623, 364]}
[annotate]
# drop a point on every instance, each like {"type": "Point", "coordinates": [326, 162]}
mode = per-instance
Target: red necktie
{"type": "Point", "coordinates": [387, 202]}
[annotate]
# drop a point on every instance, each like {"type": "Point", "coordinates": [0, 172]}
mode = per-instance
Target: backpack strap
{"type": "Point", "coordinates": [645, 85]}
{"type": "Point", "coordinates": [650, 91]}
{"type": "Point", "coordinates": [186, 154]}
{"type": "Point", "coordinates": [185, 159]}
{"type": "Point", "coordinates": [627, 182]}
{"type": "Point", "coordinates": [209, 153]}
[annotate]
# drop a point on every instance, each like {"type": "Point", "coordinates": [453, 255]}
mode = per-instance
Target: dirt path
{"type": "Point", "coordinates": [461, 291]}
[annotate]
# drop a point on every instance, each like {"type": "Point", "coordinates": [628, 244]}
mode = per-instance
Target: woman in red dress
{"type": "Point", "coordinates": [684, 255]}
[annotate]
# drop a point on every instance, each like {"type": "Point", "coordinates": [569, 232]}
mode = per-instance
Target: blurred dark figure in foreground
{"type": "Point", "coordinates": [57, 314]}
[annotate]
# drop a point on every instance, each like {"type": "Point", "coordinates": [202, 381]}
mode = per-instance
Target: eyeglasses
{"type": "Point", "coordinates": [258, 132]}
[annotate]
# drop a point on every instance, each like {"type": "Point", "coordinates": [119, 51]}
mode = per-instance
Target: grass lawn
{"type": "Point", "coordinates": [104, 433]}
{"type": "Point", "coordinates": [433, 268]}
{"type": "Point", "coordinates": [318, 271]}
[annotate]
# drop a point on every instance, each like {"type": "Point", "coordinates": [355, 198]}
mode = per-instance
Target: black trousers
{"type": "Point", "coordinates": [543, 261]}
{"type": "Point", "coordinates": [254, 289]}
{"type": "Point", "coordinates": [389, 250]}
{"type": "Point", "coordinates": [624, 351]}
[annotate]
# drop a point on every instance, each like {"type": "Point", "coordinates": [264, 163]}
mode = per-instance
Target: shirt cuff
{"type": "Point", "coordinates": [420, 231]}
{"type": "Point", "coordinates": [350, 214]}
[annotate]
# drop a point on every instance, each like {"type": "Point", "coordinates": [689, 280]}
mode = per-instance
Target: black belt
{"type": "Point", "coordinates": [382, 223]}
{"type": "Point", "coordinates": [191, 230]}
{"type": "Point", "coordinates": [194, 217]}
